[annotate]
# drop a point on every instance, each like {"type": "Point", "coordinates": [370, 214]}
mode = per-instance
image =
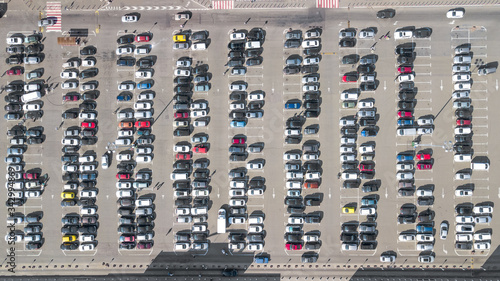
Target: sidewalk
{"type": "Point", "coordinates": [414, 3]}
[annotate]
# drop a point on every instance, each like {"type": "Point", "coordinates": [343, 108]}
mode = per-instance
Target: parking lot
{"type": "Point", "coordinates": [188, 132]}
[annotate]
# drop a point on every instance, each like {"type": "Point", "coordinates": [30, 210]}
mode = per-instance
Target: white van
{"type": "Point", "coordinates": [179, 176]}
{"type": "Point", "coordinates": [32, 96]}
{"type": "Point", "coordinates": [252, 45]}
{"type": "Point", "coordinates": [407, 132]}
{"type": "Point", "coordinates": [479, 166]}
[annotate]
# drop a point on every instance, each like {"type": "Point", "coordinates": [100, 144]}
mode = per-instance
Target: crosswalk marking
{"type": "Point", "coordinates": [223, 5]}
{"type": "Point", "coordinates": [53, 10]}
{"type": "Point", "coordinates": [327, 3]}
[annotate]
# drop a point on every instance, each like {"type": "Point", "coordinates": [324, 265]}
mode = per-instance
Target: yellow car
{"type": "Point", "coordinates": [69, 238]}
{"type": "Point", "coordinates": [67, 195]}
{"type": "Point", "coordinates": [179, 38]}
{"type": "Point", "coordinates": [348, 210]}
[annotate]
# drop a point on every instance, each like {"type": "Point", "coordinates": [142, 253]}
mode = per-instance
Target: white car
{"type": "Point", "coordinates": [426, 259]}
{"type": "Point", "coordinates": [255, 192]}
{"type": "Point", "coordinates": [14, 40]}
{"type": "Point", "coordinates": [237, 220]}
{"type": "Point", "coordinates": [181, 123]}
{"type": "Point", "coordinates": [143, 158]}
{"type": "Point", "coordinates": [461, 94]}
{"type": "Point", "coordinates": [69, 168]}
{"type": "Point", "coordinates": [404, 176]}
{"type": "Point", "coordinates": [236, 106]}
{"type": "Point", "coordinates": [482, 236]}
{"type": "Point", "coordinates": [461, 104]}
{"type": "Point", "coordinates": [87, 168]}
{"type": "Point", "coordinates": [237, 36]}
{"type": "Point", "coordinates": [403, 34]}
{"type": "Point", "coordinates": [199, 123]}
{"type": "Point", "coordinates": [310, 156]}
{"type": "Point", "coordinates": [145, 96]}
{"type": "Point", "coordinates": [182, 72]}
{"type": "Point", "coordinates": [293, 193]}
{"type": "Point", "coordinates": [255, 96]}
{"type": "Point", "coordinates": [464, 228]}
{"type": "Point", "coordinates": [307, 88]}
{"type": "Point", "coordinates": [125, 193]}
{"type": "Point", "coordinates": [462, 130]}
{"type": "Point", "coordinates": [461, 68]}
{"type": "Point", "coordinates": [366, 34]}
{"type": "Point", "coordinates": [198, 105]}
{"type": "Point", "coordinates": [143, 74]}
{"type": "Point", "coordinates": [292, 132]}
{"type": "Point", "coordinates": [87, 115]}
{"type": "Point", "coordinates": [425, 247]}
{"type": "Point", "coordinates": [311, 238]}
{"type": "Point", "coordinates": [86, 238]}
{"type": "Point", "coordinates": [182, 246]}
{"type": "Point", "coordinates": [86, 247]}
{"type": "Point", "coordinates": [462, 176]}
{"type": "Point", "coordinates": [183, 62]}
{"type": "Point", "coordinates": [69, 74]}
{"type": "Point", "coordinates": [482, 245]}
{"type": "Point", "coordinates": [201, 192]}
{"type": "Point", "coordinates": [125, 133]}
{"type": "Point", "coordinates": [237, 202]}
{"type": "Point", "coordinates": [464, 219]}
{"type": "Point", "coordinates": [425, 131]}
{"type": "Point", "coordinates": [88, 211]}
{"type": "Point", "coordinates": [463, 192]}
{"type": "Point", "coordinates": [367, 78]}
{"type": "Point", "coordinates": [456, 13]}
{"type": "Point", "coordinates": [463, 237]}
{"type": "Point", "coordinates": [462, 86]}
{"type": "Point", "coordinates": [69, 85]}
{"type": "Point", "coordinates": [291, 156]}
{"type": "Point", "coordinates": [406, 77]}
{"type": "Point", "coordinates": [483, 210]}
{"type": "Point", "coordinates": [238, 87]}
{"type": "Point", "coordinates": [31, 107]}
{"type": "Point", "coordinates": [310, 43]}
{"type": "Point", "coordinates": [124, 51]}
{"type": "Point", "coordinates": [461, 77]}
{"type": "Point", "coordinates": [126, 86]}
{"type": "Point", "coordinates": [255, 166]}
{"type": "Point", "coordinates": [424, 192]}
{"type": "Point", "coordinates": [313, 175]}
{"type": "Point", "coordinates": [199, 228]}
{"type": "Point", "coordinates": [425, 237]}
{"type": "Point", "coordinates": [182, 211]}
{"type": "Point", "coordinates": [181, 148]}
{"type": "Point", "coordinates": [123, 157]}
{"type": "Point", "coordinates": [387, 258]}
{"type": "Point", "coordinates": [199, 246]}
{"type": "Point", "coordinates": [88, 62]}
{"type": "Point", "coordinates": [366, 211]}
{"type": "Point", "coordinates": [198, 113]}
{"type": "Point", "coordinates": [142, 105]}
{"type": "Point", "coordinates": [425, 121]}
{"type": "Point", "coordinates": [143, 150]}
{"type": "Point", "coordinates": [404, 166]}
{"type": "Point", "coordinates": [88, 193]}
{"type": "Point", "coordinates": [142, 50]}
{"type": "Point", "coordinates": [310, 61]}
{"type": "Point", "coordinates": [311, 34]}
{"type": "Point", "coordinates": [198, 46]}
{"type": "Point", "coordinates": [32, 194]}
{"type": "Point", "coordinates": [129, 18]}
{"type": "Point", "coordinates": [482, 219]}
{"type": "Point", "coordinates": [349, 176]}
{"type": "Point", "coordinates": [70, 141]}
{"type": "Point", "coordinates": [367, 103]}
{"type": "Point", "coordinates": [123, 185]}
{"type": "Point", "coordinates": [407, 237]}
{"type": "Point", "coordinates": [255, 246]}
{"type": "Point", "coordinates": [295, 220]}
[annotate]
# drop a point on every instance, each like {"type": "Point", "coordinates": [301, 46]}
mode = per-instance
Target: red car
{"type": "Point", "coordinates": [90, 125]}
{"type": "Point", "coordinates": [349, 78]}
{"type": "Point", "coordinates": [71, 98]}
{"type": "Point", "coordinates": [30, 176]}
{"type": "Point", "coordinates": [423, 156]}
{"type": "Point", "coordinates": [463, 122]}
{"type": "Point", "coordinates": [402, 113]}
{"type": "Point", "coordinates": [238, 140]}
{"type": "Point", "coordinates": [293, 247]}
{"type": "Point", "coordinates": [424, 166]}
{"type": "Point", "coordinates": [142, 38]}
{"type": "Point", "coordinates": [142, 124]}
{"type": "Point", "coordinates": [366, 167]}
{"type": "Point", "coordinates": [123, 176]}
{"type": "Point", "coordinates": [144, 245]}
{"type": "Point", "coordinates": [183, 156]}
{"type": "Point", "coordinates": [200, 149]}
{"type": "Point", "coordinates": [14, 72]}
{"type": "Point", "coordinates": [181, 115]}
{"type": "Point", "coordinates": [404, 69]}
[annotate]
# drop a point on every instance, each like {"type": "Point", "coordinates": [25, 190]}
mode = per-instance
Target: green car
{"type": "Point", "coordinates": [348, 104]}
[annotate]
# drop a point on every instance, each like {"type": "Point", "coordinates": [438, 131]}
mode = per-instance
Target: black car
{"type": "Point", "coordinates": [69, 229]}
{"type": "Point", "coordinates": [71, 219]}
{"type": "Point", "coordinates": [406, 219]}
{"type": "Point", "coordinates": [350, 59]}
{"type": "Point", "coordinates": [406, 95]}
{"type": "Point", "coordinates": [89, 73]}
{"type": "Point", "coordinates": [89, 141]}
{"type": "Point", "coordinates": [252, 53]}
{"type": "Point", "coordinates": [463, 113]}
{"type": "Point", "coordinates": [312, 113]}
{"type": "Point", "coordinates": [182, 80]}
{"type": "Point", "coordinates": [33, 132]}
{"type": "Point", "coordinates": [366, 68]}
{"type": "Point", "coordinates": [406, 58]}
{"type": "Point", "coordinates": [69, 158]}
{"type": "Point", "coordinates": [463, 246]}
{"type": "Point", "coordinates": [127, 245]}
{"type": "Point", "coordinates": [90, 50]}
{"type": "Point", "coordinates": [404, 49]}
{"type": "Point", "coordinates": [348, 131]}
{"type": "Point", "coordinates": [367, 122]}
{"type": "Point", "coordinates": [294, 123]}
{"type": "Point", "coordinates": [386, 14]}
{"type": "Point", "coordinates": [90, 95]}
{"type": "Point", "coordinates": [68, 203]}
{"type": "Point", "coordinates": [293, 201]}
{"type": "Point", "coordinates": [201, 173]}
{"type": "Point", "coordinates": [237, 96]}
{"type": "Point", "coordinates": [33, 114]}
{"type": "Point", "coordinates": [35, 140]}
{"type": "Point", "coordinates": [463, 139]}
{"type": "Point", "coordinates": [16, 59]}
{"type": "Point", "coordinates": [306, 69]}
{"type": "Point", "coordinates": [368, 237]}
{"type": "Point", "coordinates": [13, 88]}
{"type": "Point", "coordinates": [291, 43]}
{"type": "Point", "coordinates": [348, 237]}
{"type": "Point", "coordinates": [125, 39]}
{"type": "Point", "coordinates": [370, 187]}
{"type": "Point", "coordinates": [126, 228]}
{"type": "Point", "coordinates": [462, 148]}
{"type": "Point", "coordinates": [408, 209]}
{"type": "Point", "coordinates": [238, 45]}
{"type": "Point", "coordinates": [88, 184]}
{"type": "Point", "coordinates": [145, 63]}
{"type": "Point", "coordinates": [255, 105]}
{"type": "Point", "coordinates": [34, 49]}
{"type": "Point", "coordinates": [256, 34]}
{"type": "Point", "coordinates": [237, 157]}
{"type": "Point", "coordinates": [312, 218]}
{"type": "Point", "coordinates": [368, 86]}
{"type": "Point", "coordinates": [312, 200]}
{"type": "Point", "coordinates": [13, 97]}
{"type": "Point", "coordinates": [127, 61]}
{"type": "Point", "coordinates": [425, 201]}
{"type": "Point", "coordinates": [368, 245]}
{"type": "Point", "coordinates": [347, 42]}
{"type": "Point", "coordinates": [229, 272]}
{"type": "Point", "coordinates": [407, 105]}
{"type": "Point", "coordinates": [88, 105]}
{"type": "Point", "coordinates": [294, 34]}
{"type": "Point", "coordinates": [407, 86]}
{"type": "Point", "coordinates": [423, 32]}
{"type": "Point", "coordinates": [254, 61]}
{"type": "Point", "coordinates": [311, 51]}
{"type": "Point", "coordinates": [291, 69]}
{"type": "Point", "coordinates": [33, 245]}
{"type": "Point", "coordinates": [234, 62]}
{"type": "Point", "coordinates": [69, 246]}
{"type": "Point", "coordinates": [463, 210]}
{"type": "Point", "coordinates": [235, 54]}
{"type": "Point", "coordinates": [181, 132]}
{"type": "Point", "coordinates": [200, 35]}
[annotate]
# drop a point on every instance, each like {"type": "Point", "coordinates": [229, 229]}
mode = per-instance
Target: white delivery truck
{"type": "Point", "coordinates": [221, 221]}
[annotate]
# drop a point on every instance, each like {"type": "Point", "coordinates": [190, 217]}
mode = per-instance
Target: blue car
{"type": "Point", "coordinates": [144, 86]}
{"type": "Point", "coordinates": [368, 132]}
{"type": "Point", "coordinates": [424, 229]}
{"type": "Point", "coordinates": [292, 105]}
{"type": "Point", "coordinates": [123, 97]}
{"type": "Point", "coordinates": [405, 157]}
{"type": "Point", "coordinates": [238, 124]}
{"type": "Point", "coordinates": [405, 122]}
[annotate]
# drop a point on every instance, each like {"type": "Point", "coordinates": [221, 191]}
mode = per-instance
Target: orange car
{"type": "Point", "coordinates": [125, 125]}
{"type": "Point", "coordinates": [311, 184]}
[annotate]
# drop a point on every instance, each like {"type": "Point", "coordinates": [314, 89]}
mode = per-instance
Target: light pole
{"type": "Point", "coordinates": [152, 26]}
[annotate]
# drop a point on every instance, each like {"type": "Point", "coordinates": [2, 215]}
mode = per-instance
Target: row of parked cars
{"type": "Point", "coordinates": [136, 212]}
{"type": "Point", "coordinates": [468, 219]}
{"type": "Point", "coordinates": [79, 230]}
{"type": "Point", "coordinates": [24, 102]}
{"type": "Point", "coordinates": [190, 113]}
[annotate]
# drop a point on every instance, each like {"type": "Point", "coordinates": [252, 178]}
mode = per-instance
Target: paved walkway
{"type": "Point", "coordinates": [415, 3]}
